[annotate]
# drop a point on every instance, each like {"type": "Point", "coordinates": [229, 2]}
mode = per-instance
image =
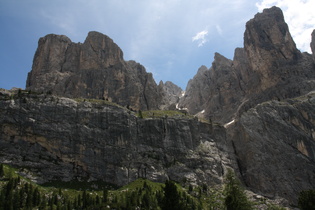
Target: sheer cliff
{"type": "Point", "coordinates": [61, 138]}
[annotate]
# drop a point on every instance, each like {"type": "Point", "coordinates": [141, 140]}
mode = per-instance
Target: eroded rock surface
{"type": "Point", "coordinates": [94, 69]}
{"type": "Point", "coordinates": [275, 143]}
{"type": "Point", "coordinates": [268, 67]}
{"type": "Point", "coordinates": [172, 94]}
{"type": "Point", "coordinates": [60, 138]}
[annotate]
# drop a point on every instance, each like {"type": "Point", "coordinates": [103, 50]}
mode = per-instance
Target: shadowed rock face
{"type": "Point", "coordinates": [275, 146]}
{"type": "Point", "coordinates": [94, 69]}
{"type": "Point", "coordinates": [60, 138]}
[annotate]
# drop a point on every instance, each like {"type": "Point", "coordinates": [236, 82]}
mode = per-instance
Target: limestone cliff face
{"type": "Point", "coordinates": [60, 138]}
{"type": "Point", "coordinates": [94, 69]}
{"type": "Point", "coordinates": [275, 143]}
{"type": "Point", "coordinates": [268, 67]}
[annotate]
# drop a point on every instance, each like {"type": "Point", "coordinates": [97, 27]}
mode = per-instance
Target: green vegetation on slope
{"type": "Point", "coordinates": [17, 192]}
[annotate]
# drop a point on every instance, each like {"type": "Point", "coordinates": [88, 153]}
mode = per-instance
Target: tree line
{"type": "Point", "coordinates": [17, 193]}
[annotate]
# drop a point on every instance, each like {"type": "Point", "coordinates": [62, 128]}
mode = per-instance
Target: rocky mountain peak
{"type": "Point", "coordinates": [49, 53]}
{"type": "Point", "coordinates": [268, 67]}
{"type": "Point", "coordinates": [94, 69]}
{"type": "Point", "coordinates": [202, 69]}
{"type": "Point", "coordinates": [268, 44]}
{"type": "Point", "coordinates": [220, 61]}
{"type": "Point", "coordinates": [171, 95]}
{"type": "Point", "coordinates": [196, 93]}
{"type": "Point", "coordinates": [172, 88]}
{"type": "Point", "coordinates": [269, 31]}
{"type": "Point", "coordinates": [98, 45]}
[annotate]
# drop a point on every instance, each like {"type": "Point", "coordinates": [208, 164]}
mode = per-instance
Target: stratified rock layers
{"type": "Point", "coordinates": [60, 138]}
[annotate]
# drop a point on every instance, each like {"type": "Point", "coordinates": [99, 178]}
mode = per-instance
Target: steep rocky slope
{"type": "Point", "coordinates": [60, 138]}
{"type": "Point", "coordinates": [268, 67]}
{"type": "Point", "coordinates": [94, 69]}
{"type": "Point", "coordinates": [275, 146]}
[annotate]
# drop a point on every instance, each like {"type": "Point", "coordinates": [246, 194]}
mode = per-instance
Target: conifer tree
{"type": "Point", "coordinates": [171, 196]}
{"type": "Point", "coordinates": [43, 203]}
{"type": "Point", "coordinates": [16, 200]}
{"type": "Point", "coordinates": [1, 170]}
{"type": "Point", "coordinates": [36, 197]}
{"type": "Point", "coordinates": [105, 195]}
{"type": "Point", "coordinates": [306, 200]}
{"type": "Point", "coordinates": [235, 197]}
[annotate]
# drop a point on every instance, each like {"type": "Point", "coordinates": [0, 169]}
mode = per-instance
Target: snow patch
{"type": "Point", "coordinates": [229, 123]}
{"type": "Point", "coordinates": [177, 107]}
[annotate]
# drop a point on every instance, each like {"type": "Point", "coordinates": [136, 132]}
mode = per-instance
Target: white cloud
{"type": "Point", "coordinates": [200, 38]}
{"type": "Point", "coordinates": [299, 15]}
{"type": "Point", "coordinates": [219, 29]}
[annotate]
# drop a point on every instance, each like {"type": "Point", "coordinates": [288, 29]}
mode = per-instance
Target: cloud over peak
{"type": "Point", "coordinates": [200, 38]}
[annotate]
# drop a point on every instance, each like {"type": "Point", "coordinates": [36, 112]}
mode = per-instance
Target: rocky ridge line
{"type": "Point", "coordinates": [93, 69]}
{"type": "Point", "coordinates": [268, 67]}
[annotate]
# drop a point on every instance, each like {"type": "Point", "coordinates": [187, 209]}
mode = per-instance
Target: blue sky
{"type": "Point", "coordinates": [172, 38]}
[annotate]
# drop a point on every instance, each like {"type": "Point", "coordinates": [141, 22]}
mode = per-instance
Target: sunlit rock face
{"type": "Point", "coordinates": [268, 67]}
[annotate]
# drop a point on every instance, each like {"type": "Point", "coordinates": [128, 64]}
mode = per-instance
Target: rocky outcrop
{"type": "Point", "coordinates": [94, 69]}
{"type": "Point", "coordinates": [214, 93]}
{"type": "Point", "coordinates": [172, 94]}
{"type": "Point", "coordinates": [197, 92]}
{"type": "Point", "coordinates": [275, 143]}
{"type": "Point", "coordinates": [269, 46]}
{"type": "Point", "coordinates": [268, 67]}
{"type": "Point", "coordinates": [61, 138]}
